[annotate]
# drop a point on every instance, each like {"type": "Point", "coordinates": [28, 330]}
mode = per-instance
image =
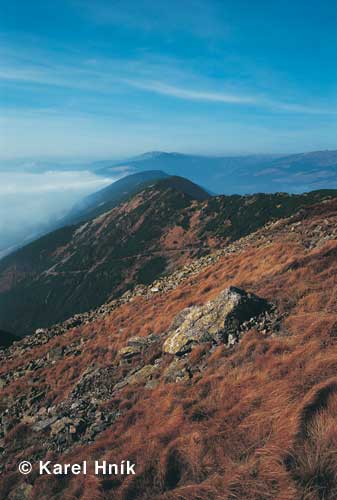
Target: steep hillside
{"type": "Point", "coordinates": [111, 196]}
{"type": "Point", "coordinates": [22, 219]}
{"type": "Point", "coordinates": [78, 268]}
{"type": "Point", "coordinates": [6, 339]}
{"type": "Point", "coordinates": [217, 382]}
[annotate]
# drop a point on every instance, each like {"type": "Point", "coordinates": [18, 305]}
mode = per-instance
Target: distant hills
{"type": "Point", "coordinates": [296, 173]}
{"type": "Point", "coordinates": [245, 174]}
{"type": "Point", "coordinates": [158, 225]}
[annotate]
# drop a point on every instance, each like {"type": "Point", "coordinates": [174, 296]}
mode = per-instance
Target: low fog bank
{"type": "Point", "coordinates": [30, 202]}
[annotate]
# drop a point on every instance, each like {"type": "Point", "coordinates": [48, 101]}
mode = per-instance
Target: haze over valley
{"type": "Point", "coordinates": [30, 203]}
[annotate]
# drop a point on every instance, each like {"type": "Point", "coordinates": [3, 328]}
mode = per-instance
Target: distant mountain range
{"type": "Point", "coordinates": [296, 173]}
{"type": "Point", "coordinates": [241, 174]}
{"type": "Point", "coordinates": [127, 234]}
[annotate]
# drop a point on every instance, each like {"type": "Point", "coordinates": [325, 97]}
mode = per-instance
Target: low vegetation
{"type": "Point", "coordinates": [257, 421]}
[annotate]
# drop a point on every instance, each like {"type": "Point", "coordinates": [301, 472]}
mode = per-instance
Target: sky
{"type": "Point", "coordinates": [99, 79]}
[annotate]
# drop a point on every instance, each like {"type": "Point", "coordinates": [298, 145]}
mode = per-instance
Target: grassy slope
{"type": "Point", "coordinates": [258, 422]}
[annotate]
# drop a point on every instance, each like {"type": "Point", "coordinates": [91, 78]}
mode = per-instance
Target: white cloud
{"type": "Point", "coordinates": [51, 182]}
{"type": "Point", "coordinates": [28, 201]}
{"type": "Point", "coordinates": [190, 94]}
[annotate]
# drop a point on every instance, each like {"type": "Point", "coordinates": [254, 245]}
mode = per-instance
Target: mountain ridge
{"type": "Point", "coordinates": [79, 267]}
{"type": "Point", "coordinates": [115, 193]}
{"type": "Point", "coordinates": [232, 174]}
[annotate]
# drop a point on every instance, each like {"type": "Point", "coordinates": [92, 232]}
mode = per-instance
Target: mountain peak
{"type": "Point", "coordinates": [184, 185]}
{"type": "Point", "coordinates": [148, 155]}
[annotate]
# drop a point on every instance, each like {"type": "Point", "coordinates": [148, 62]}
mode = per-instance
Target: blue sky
{"type": "Point", "coordinates": [84, 79]}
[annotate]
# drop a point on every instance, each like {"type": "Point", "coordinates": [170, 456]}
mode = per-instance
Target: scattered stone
{"type": "Point", "coordinates": [136, 346]}
{"type": "Point", "coordinates": [176, 371]}
{"type": "Point", "coordinates": [42, 425]}
{"type": "Point", "coordinates": [60, 425]}
{"type": "Point", "coordinates": [138, 341]}
{"type": "Point", "coordinates": [143, 375]}
{"type": "Point", "coordinates": [129, 352]}
{"type": "Point", "coordinates": [28, 419]}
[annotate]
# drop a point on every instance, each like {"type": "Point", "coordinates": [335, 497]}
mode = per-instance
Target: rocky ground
{"type": "Point", "coordinates": [65, 387]}
{"type": "Point", "coordinates": [82, 415]}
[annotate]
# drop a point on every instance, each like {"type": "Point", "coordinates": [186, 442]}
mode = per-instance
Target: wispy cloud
{"type": "Point", "coordinates": [79, 104]}
{"type": "Point", "coordinates": [190, 94]}
{"type": "Point", "coordinates": [57, 76]}
{"type": "Point", "coordinates": [100, 77]}
{"type": "Point", "coordinates": [299, 108]}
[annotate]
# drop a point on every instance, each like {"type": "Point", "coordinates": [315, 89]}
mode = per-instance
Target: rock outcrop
{"type": "Point", "coordinates": [144, 361]}
{"type": "Point", "coordinates": [218, 321]}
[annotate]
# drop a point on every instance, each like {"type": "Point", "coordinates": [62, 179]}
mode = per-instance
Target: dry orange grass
{"type": "Point", "coordinates": [258, 424]}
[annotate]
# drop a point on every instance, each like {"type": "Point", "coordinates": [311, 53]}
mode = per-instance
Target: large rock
{"type": "Point", "coordinates": [218, 321]}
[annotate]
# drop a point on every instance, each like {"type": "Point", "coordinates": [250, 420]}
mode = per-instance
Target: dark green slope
{"type": "Point", "coordinates": [184, 185]}
{"type": "Point", "coordinates": [80, 267]}
{"type": "Point", "coordinates": [111, 196]}
{"type": "Point", "coordinates": [72, 269]}
{"type": "Point", "coordinates": [7, 339]}
{"type": "Point", "coordinates": [248, 213]}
